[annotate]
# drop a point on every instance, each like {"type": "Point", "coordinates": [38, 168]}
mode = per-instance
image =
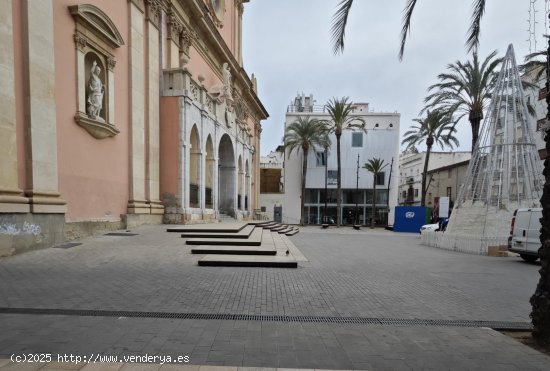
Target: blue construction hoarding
{"type": "Point", "coordinates": [411, 218]}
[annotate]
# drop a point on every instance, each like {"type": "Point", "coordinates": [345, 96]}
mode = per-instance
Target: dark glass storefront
{"type": "Point", "coordinates": [315, 206]}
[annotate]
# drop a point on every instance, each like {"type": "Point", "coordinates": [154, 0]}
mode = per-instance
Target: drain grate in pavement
{"type": "Point", "coordinates": [497, 325]}
{"type": "Point", "coordinates": [67, 245]}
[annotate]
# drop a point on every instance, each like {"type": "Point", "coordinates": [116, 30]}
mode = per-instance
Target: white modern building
{"type": "Point", "coordinates": [380, 140]}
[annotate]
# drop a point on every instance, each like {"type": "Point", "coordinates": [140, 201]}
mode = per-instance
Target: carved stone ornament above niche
{"type": "Point", "coordinates": [94, 19]}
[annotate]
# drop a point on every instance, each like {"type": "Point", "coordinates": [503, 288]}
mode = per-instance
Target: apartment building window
{"type": "Point", "coordinates": [416, 192]}
{"type": "Point", "coordinates": [380, 178]}
{"type": "Point", "coordinates": [404, 194]}
{"type": "Point", "coordinates": [357, 139]}
{"type": "Point", "coordinates": [321, 158]}
{"type": "Point", "coordinates": [449, 191]}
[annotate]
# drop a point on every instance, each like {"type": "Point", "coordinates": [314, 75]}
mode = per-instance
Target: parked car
{"type": "Point", "coordinates": [430, 227]}
{"type": "Point", "coordinates": [525, 233]}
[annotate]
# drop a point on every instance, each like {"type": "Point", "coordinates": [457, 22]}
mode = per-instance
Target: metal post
{"type": "Point", "coordinates": [388, 200]}
{"type": "Point", "coordinates": [325, 219]}
{"type": "Point", "coordinates": [356, 194]}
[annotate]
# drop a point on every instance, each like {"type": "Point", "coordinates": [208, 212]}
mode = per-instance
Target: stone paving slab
{"type": "Point", "coordinates": [264, 344]}
{"type": "Point", "coordinates": [366, 273]}
{"type": "Point", "coordinates": [371, 273]}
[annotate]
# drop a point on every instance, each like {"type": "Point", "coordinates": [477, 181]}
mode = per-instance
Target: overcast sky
{"type": "Point", "coordinates": [287, 46]}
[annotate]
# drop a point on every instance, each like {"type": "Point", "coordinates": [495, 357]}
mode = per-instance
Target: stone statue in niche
{"type": "Point", "coordinates": [226, 90]}
{"type": "Point", "coordinates": [222, 92]}
{"type": "Point", "coordinates": [95, 93]}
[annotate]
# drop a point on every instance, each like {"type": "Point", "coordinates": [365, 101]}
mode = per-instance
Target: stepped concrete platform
{"type": "Point", "coordinates": [243, 233]}
{"type": "Point", "coordinates": [293, 232]}
{"type": "Point", "coordinates": [233, 250]}
{"type": "Point", "coordinates": [271, 241]}
{"type": "Point", "coordinates": [231, 227]}
{"type": "Point", "coordinates": [248, 261]}
{"type": "Point", "coordinates": [254, 239]}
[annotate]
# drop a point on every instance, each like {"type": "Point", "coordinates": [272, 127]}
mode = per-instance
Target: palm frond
{"type": "Point", "coordinates": [474, 31]}
{"type": "Point", "coordinates": [338, 28]}
{"type": "Point", "coordinates": [406, 28]}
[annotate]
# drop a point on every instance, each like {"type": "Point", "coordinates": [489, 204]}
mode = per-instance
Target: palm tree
{"type": "Point", "coordinates": [340, 20]}
{"type": "Point", "coordinates": [436, 128]}
{"type": "Point", "coordinates": [465, 90]}
{"type": "Point", "coordinates": [375, 166]}
{"type": "Point", "coordinates": [303, 134]}
{"type": "Point", "coordinates": [340, 111]}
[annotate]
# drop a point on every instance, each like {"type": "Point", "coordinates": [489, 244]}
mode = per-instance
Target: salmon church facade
{"type": "Point", "coordinates": [119, 113]}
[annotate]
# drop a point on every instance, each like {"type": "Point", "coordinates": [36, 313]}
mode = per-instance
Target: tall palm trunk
{"type": "Point", "coordinates": [540, 301]}
{"type": "Point", "coordinates": [338, 133]}
{"type": "Point", "coordinates": [305, 149]}
{"type": "Point", "coordinates": [373, 201]}
{"type": "Point", "coordinates": [475, 118]}
{"type": "Point", "coordinates": [429, 144]}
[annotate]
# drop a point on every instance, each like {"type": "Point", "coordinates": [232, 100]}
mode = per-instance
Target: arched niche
{"type": "Point", "coordinates": [96, 39]}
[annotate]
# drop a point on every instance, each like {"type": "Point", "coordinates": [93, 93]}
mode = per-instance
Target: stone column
{"type": "Point", "coordinates": [242, 190]}
{"type": "Point", "coordinates": [137, 203]}
{"type": "Point", "coordinates": [215, 185]}
{"type": "Point", "coordinates": [202, 179]}
{"type": "Point", "coordinates": [39, 106]}
{"type": "Point", "coordinates": [248, 188]}
{"type": "Point", "coordinates": [11, 197]}
{"type": "Point", "coordinates": [153, 111]}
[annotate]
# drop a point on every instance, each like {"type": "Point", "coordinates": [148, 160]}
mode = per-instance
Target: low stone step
{"type": "Point", "coordinates": [279, 228]}
{"type": "Point", "coordinates": [285, 230]}
{"type": "Point", "coordinates": [209, 228]}
{"type": "Point", "coordinates": [248, 261]}
{"type": "Point", "coordinates": [233, 250]}
{"type": "Point", "coordinates": [243, 233]}
{"type": "Point", "coordinates": [271, 226]}
{"type": "Point", "coordinates": [255, 239]}
{"type": "Point", "coordinates": [293, 232]}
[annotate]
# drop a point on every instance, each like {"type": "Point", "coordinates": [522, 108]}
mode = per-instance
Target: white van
{"type": "Point", "coordinates": [525, 233]}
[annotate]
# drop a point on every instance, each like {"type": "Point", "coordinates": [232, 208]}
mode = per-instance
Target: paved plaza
{"type": "Point", "coordinates": [100, 298]}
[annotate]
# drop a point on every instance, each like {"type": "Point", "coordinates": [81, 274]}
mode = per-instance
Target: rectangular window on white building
{"type": "Point", "coordinates": [321, 158]}
{"type": "Point", "coordinates": [380, 178]}
{"type": "Point", "coordinates": [357, 139]}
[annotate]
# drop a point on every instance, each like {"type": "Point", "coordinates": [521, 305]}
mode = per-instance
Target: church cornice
{"type": "Point", "coordinates": [215, 51]}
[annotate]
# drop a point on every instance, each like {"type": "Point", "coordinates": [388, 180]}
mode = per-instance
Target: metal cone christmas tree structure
{"type": "Point", "coordinates": [505, 172]}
